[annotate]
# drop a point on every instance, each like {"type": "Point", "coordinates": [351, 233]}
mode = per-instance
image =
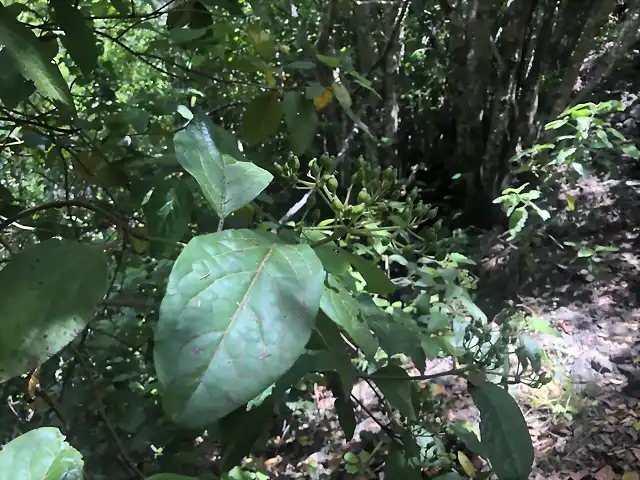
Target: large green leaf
{"type": "Point", "coordinates": [395, 384]}
{"type": "Point", "coordinates": [226, 183]}
{"type": "Point", "coordinates": [48, 294]}
{"type": "Point", "coordinates": [239, 309]}
{"type": "Point", "coordinates": [78, 39]}
{"type": "Point", "coordinates": [24, 48]}
{"type": "Point", "coordinates": [301, 119]}
{"type": "Point", "coordinates": [262, 117]}
{"type": "Point", "coordinates": [338, 304]}
{"type": "Point", "coordinates": [504, 434]}
{"type": "Point", "coordinates": [41, 453]}
{"type": "Point", "coordinates": [168, 210]}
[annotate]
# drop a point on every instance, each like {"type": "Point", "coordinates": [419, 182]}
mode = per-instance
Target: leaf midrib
{"type": "Point", "coordinates": [242, 304]}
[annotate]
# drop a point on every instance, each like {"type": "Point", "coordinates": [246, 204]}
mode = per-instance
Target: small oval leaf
{"type": "Point", "coordinates": [226, 183]}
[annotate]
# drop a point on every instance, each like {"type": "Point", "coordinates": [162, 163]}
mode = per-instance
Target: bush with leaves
{"type": "Point", "coordinates": [248, 312]}
{"type": "Point", "coordinates": [159, 306]}
{"type": "Point", "coordinates": [585, 137]}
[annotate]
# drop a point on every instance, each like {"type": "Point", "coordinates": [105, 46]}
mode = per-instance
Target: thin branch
{"type": "Point", "coordinates": [385, 428]}
{"type": "Point", "coordinates": [71, 203]}
{"type": "Point", "coordinates": [332, 17]}
{"type": "Point", "coordinates": [454, 371]}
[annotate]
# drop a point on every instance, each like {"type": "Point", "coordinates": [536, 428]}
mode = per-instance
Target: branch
{"type": "Point", "coordinates": [323, 40]}
{"type": "Point", "coordinates": [389, 45]}
{"type": "Point", "coordinates": [454, 371]}
{"type": "Point", "coordinates": [71, 203]}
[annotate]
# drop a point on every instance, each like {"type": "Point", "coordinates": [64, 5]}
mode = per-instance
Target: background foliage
{"type": "Point", "coordinates": [208, 207]}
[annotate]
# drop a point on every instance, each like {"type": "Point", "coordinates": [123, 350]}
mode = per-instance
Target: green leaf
{"type": "Point", "coordinates": [398, 466]}
{"type": "Point", "coordinates": [24, 48]}
{"type": "Point", "coordinates": [261, 119]}
{"type": "Point", "coordinates": [541, 325]}
{"type": "Point", "coordinates": [459, 258]}
{"type": "Point", "coordinates": [556, 124]}
{"type": "Point", "coordinates": [342, 94]}
{"type": "Point", "coordinates": [333, 62]}
{"type": "Point", "coordinates": [168, 210]}
{"type": "Point", "coordinates": [338, 304]}
{"type": "Point", "coordinates": [631, 151]}
{"type": "Point", "coordinates": [397, 333]}
{"type": "Point", "coordinates": [517, 221]}
{"type": "Point", "coordinates": [334, 259]}
{"type": "Point", "coordinates": [41, 453]}
{"type": "Point", "coordinates": [468, 437]}
{"type": "Point", "coordinates": [184, 35]}
{"type": "Point", "coordinates": [239, 309]}
{"type": "Point", "coordinates": [301, 119]}
{"type": "Point", "coordinates": [226, 183]}
{"type": "Point", "coordinates": [242, 428]}
{"type": "Point", "coordinates": [395, 384]}
{"type": "Point", "coordinates": [137, 118]}
{"type": "Point", "coordinates": [15, 88]}
{"type": "Point", "coordinates": [226, 142]}
{"type": "Point", "coordinates": [377, 280]}
{"type": "Point", "coordinates": [46, 302]}
{"type": "Point", "coordinates": [329, 335]}
{"type": "Point", "coordinates": [122, 6]}
{"type": "Point", "coordinates": [78, 39]}
{"type": "Point", "coordinates": [262, 42]}
{"type": "Point", "coordinates": [585, 252]}
{"type": "Point", "coordinates": [504, 433]}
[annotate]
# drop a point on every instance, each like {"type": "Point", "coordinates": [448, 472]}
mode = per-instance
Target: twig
{"type": "Point", "coordinates": [385, 428]}
{"type": "Point", "coordinates": [454, 371]}
{"type": "Point", "coordinates": [72, 203]}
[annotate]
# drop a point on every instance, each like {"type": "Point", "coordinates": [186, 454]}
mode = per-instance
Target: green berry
{"type": "Point", "coordinates": [390, 174]}
{"type": "Point", "coordinates": [326, 162]}
{"type": "Point", "coordinates": [431, 214]}
{"type": "Point", "coordinates": [332, 184]}
{"type": "Point", "coordinates": [363, 196]}
{"type": "Point", "coordinates": [337, 204]}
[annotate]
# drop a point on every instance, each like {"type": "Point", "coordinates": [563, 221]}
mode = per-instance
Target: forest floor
{"type": "Point", "coordinates": [585, 424]}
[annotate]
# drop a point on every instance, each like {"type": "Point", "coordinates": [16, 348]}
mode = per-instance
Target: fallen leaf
{"type": "Point", "coordinates": [630, 476]}
{"type": "Point", "coordinates": [605, 473]}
